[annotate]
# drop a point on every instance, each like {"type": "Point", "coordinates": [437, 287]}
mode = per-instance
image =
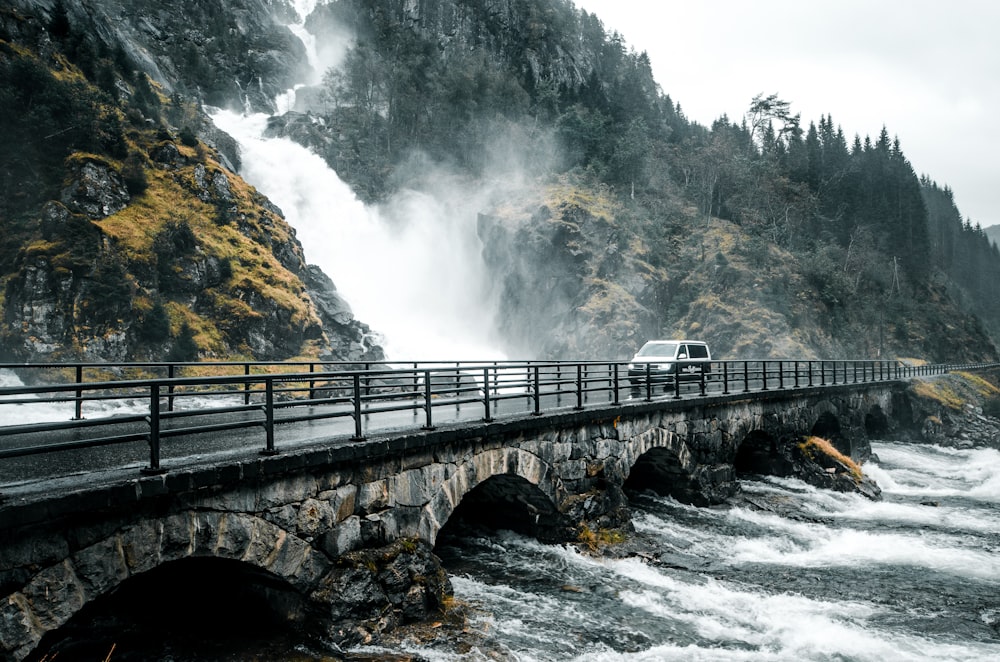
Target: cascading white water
{"type": "Point", "coordinates": [835, 577]}
{"type": "Point", "coordinates": [411, 269]}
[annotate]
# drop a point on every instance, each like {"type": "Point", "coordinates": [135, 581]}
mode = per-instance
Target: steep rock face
{"type": "Point", "coordinates": [568, 288]}
{"type": "Point", "coordinates": [95, 190]}
{"type": "Point", "coordinates": [219, 52]}
{"type": "Point", "coordinates": [538, 41]}
{"type": "Point", "coordinates": [134, 256]}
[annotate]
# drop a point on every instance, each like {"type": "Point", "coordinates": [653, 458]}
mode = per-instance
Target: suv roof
{"type": "Point", "coordinates": [650, 348]}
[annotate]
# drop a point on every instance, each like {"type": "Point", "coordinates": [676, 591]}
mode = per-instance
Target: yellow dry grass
{"type": "Point", "coordinates": [940, 391]}
{"type": "Point", "coordinates": [811, 445]}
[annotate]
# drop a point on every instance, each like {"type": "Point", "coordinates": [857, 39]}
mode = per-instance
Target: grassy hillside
{"type": "Point", "coordinates": [126, 238]}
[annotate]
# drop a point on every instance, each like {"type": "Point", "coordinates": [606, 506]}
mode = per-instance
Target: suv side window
{"type": "Point", "coordinates": [697, 352]}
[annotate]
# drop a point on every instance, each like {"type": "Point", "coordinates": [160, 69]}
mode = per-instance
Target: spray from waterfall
{"type": "Point", "coordinates": [410, 268]}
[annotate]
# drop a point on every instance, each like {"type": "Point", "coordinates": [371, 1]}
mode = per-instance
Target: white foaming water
{"type": "Point", "coordinates": [816, 545]}
{"type": "Point", "coordinates": [935, 471]}
{"type": "Point", "coordinates": [23, 414]}
{"type": "Point", "coordinates": [709, 619]}
{"type": "Point", "coordinates": [46, 412]}
{"type": "Point", "coordinates": [411, 269]}
{"type": "Point", "coordinates": [778, 626]}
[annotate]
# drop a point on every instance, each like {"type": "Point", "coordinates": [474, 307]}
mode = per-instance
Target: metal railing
{"type": "Point", "coordinates": [185, 403]}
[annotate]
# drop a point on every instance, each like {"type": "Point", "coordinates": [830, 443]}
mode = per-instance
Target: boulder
{"type": "Point", "coordinates": [95, 189]}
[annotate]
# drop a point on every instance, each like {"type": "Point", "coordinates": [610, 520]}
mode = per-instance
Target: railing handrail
{"type": "Point", "coordinates": [384, 386]}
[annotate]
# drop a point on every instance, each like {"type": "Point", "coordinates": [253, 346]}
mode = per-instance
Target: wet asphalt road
{"type": "Point", "coordinates": [33, 474]}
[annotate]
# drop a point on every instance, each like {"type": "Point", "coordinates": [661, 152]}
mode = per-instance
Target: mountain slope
{"type": "Point", "coordinates": [616, 219]}
{"type": "Point", "coordinates": [129, 239]}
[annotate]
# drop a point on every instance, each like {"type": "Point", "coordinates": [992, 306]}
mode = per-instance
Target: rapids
{"type": "Point", "coordinates": [816, 576]}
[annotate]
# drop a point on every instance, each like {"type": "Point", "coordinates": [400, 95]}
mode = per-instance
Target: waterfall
{"type": "Point", "coordinates": [410, 268]}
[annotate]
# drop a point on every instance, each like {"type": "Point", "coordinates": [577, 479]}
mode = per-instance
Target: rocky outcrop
{"type": "Point", "coordinates": [950, 410]}
{"type": "Point", "coordinates": [95, 189]}
{"type": "Point", "coordinates": [238, 54]}
{"type": "Point", "coordinates": [505, 28]}
{"type": "Point", "coordinates": [349, 338]}
{"type": "Point", "coordinates": [568, 286]}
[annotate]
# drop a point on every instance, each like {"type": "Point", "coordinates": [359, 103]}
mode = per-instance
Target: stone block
{"type": "Point", "coordinates": [142, 545]}
{"type": "Point", "coordinates": [342, 538]}
{"type": "Point", "coordinates": [17, 631]}
{"type": "Point", "coordinates": [410, 488]}
{"type": "Point", "coordinates": [101, 567]}
{"type": "Point", "coordinates": [55, 594]}
{"type": "Point", "coordinates": [236, 533]}
{"type": "Point", "coordinates": [314, 517]}
{"type": "Point", "coordinates": [373, 497]}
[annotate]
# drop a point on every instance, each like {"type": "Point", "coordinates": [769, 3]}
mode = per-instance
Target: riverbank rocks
{"type": "Point", "coordinates": [374, 591]}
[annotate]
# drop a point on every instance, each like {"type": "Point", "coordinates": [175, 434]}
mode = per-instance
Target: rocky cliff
{"type": "Point", "coordinates": [145, 243]}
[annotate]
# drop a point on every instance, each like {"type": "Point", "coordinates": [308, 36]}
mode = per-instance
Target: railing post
{"type": "Point", "coordinates": [649, 383]}
{"type": "Point", "coordinates": [154, 467]}
{"type": "Point", "coordinates": [246, 385]}
{"type": "Point", "coordinates": [725, 377]}
{"type": "Point", "coordinates": [834, 383]}
{"type": "Point", "coordinates": [746, 376]}
{"type": "Point", "coordinates": [822, 373]}
{"type": "Point", "coordinates": [312, 382]}
{"type": "Point", "coordinates": [763, 375]}
{"type": "Point", "coordinates": [170, 388]}
{"type": "Point", "coordinates": [579, 386]}
{"type": "Point", "coordinates": [703, 382]}
{"type": "Point", "coordinates": [558, 384]}
{"type": "Point", "coordinates": [428, 423]}
{"type": "Point", "coordinates": [358, 436]}
{"type": "Point", "coordinates": [486, 395]}
{"type": "Point", "coordinates": [269, 418]}
{"type": "Point", "coordinates": [537, 394]}
{"type": "Point", "coordinates": [677, 382]}
{"type": "Point", "coordinates": [781, 374]}
{"type": "Point", "coordinates": [810, 373]}
{"type": "Point", "coordinates": [78, 408]}
{"type": "Point", "coordinates": [796, 368]}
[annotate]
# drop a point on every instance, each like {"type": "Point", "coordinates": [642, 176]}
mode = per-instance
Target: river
{"type": "Point", "coordinates": [814, 575]}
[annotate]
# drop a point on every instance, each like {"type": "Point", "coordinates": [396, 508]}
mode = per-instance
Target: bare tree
{"type": "Point", "coordinates": [764, 110]}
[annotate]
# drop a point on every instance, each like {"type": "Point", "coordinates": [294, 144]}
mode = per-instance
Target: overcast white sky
{"type": "Point", "coordinates": [929, 71]}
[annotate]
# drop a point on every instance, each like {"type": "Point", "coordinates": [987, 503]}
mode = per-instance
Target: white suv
{"type": "Point", "coordinates": [661, 360]}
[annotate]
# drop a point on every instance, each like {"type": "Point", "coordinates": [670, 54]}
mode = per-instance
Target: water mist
{"type": "Point", "coordinates": [411, 269]}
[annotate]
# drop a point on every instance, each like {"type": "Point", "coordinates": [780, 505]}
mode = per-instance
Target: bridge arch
{"type": "Point", "coordinates": [828, 426]}
{"type": "Point", "coordinates": [662, 460]}
{"type": "Point", "coordinates": [757, 453]}
{"type": "Point", "coordinates": [58, 592]}
{"type": "Point", "coordinates": [511, 476]}
{"type": "Point", "coordinates": [205, 598]}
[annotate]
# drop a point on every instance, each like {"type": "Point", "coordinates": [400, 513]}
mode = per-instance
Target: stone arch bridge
{"type": "Point", "coordinates": [343, 535]}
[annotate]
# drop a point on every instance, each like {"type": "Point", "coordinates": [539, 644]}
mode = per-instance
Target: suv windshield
{"type": "Point", "coordinates": [658, 349]}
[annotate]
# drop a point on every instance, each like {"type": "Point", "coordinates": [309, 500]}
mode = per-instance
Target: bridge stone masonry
{"type": "Point", "coordinates": [339, 538]}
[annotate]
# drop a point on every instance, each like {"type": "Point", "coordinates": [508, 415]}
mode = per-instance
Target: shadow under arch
{"type": "Point", "coordinates": [507, 502]}
{"type": "Point", "coordinates": [828, 427]}
{"type": "Point", "coordinates": [59, 592]}
{"type": "Point", "coordinates": [184, 609]}
{"type": "Point", "coordinates": [758, 454]}
{"type": "Point", "coordinates": [876, 423]}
